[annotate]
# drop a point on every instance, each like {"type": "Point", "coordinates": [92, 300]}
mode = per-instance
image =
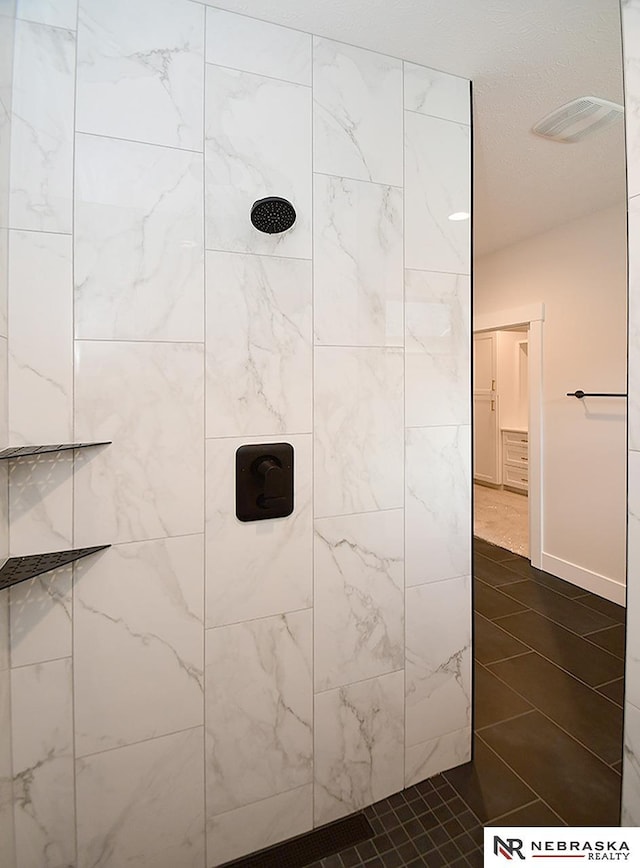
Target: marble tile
{"type": "Point", "coordinates": [43, 784]}
{"type": "Point", "coordinates": [5, 659]}
{"type": "Point", "coordinates": [630, 10]}
{"type": "Point", "coordinates": [358, 430]}
{"type": "Point", "coordinates": [42, 128]}
{"type": "Point", "coordinates": [631, 767]}
{"type": "Point", "coordinates": [139, 258]}
{"type": "Point", "coordinates": [41, 338]}
{"type": "Point", "coordinates": [255, 46]}
{"type": "Point", "coordinates": [149, 482]}
{"type": "Point", "coordinates": [632, 683]}
{"type": "Point", "coordinates": [62, 13]}
{"type": "Point", "coordinates": [438, 94]}
{"type": "Point", "coordinates": [438, 504]}
{"type": "Point", "coordinates": [244, 164]}
{"type": "Point", "coordinates": [424, 760]}
{"type": "Point", "coordinates": [633, 407]}
{"type": "Point", "coordinates": [143, 805]}
{"type": "Point", "coordinates": [357, 114]}
{"type": "Point", "coordinates": [259, 710]}
{"type": "Point", "coordinates": [437, 368]}
{"type": "Point", "coordinates": [437, 184]}
{"type": "Point", "coordinates": [258, 568]}
{"type": "Point", "coordinates": [439, 658]}
{"type": "Point", "coordinates": [359, 745]}
{"type": "Point", "coordinates": [7, 840]}
{"type": "Point", "coordinates": [138, 610]}
{"type": "Point", "coordinates": [41, 615]}
{"type": "Point", "coordinates": [358, 597]}
{"type": "Point", "coordinates": [4, 232]}
{"type": "Point", "coordinates": [357, 263]}
{"type": "Point", "coordinates": [259, 345]}
{"type": "Point", "coordinates": [140, 71]}
{"type": "Point", "coordinates": [259, 825]}
{"type": "Point", "coordinates": [41, 503]}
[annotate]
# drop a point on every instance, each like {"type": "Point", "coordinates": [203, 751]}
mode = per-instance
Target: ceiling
{"type": "Point", "coordinates": [525, 58]}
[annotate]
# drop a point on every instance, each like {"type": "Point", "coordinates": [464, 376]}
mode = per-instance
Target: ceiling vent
{"type": "Point", "coordinates": [578, 119]}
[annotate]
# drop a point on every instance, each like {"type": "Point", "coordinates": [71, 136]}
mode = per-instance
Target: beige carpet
{"type": "Point", "coordinates": [502, 518]}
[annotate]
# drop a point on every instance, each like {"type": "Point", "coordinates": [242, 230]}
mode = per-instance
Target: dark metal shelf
{"type": "Point", "coordinates": [20, 569]}
{"type": "Point", "coordinates": [20, 451]}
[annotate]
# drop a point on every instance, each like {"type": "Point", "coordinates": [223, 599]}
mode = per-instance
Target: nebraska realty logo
{"type": "Point", "coordinates": [560, 846]}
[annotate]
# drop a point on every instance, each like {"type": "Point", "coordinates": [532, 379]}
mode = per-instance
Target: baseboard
{"type": "Point", "coordinates": [594, 582]}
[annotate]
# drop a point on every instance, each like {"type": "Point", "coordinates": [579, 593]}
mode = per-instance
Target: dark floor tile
{"type": "Point", "coordinates": [590, 718]}
{"type": "Point", "coordinates": [611, 610]}
{"type": "Point", "coordinates": [566, 589]}
{"type": "Point", "coordinates": [611, 639]}
{"type": "Point", "coordinates": [614, 691]}
{"type": "Point", "coordinates": [581, 789]}
{"type": "Point", "coordinates": [488, 786]}
{"type": "Point", "coordinates": [408, 851]}
{"type": "Point", "coordinates": [332, 862]}
{"type": "Point", "coordinates": [382, 843]}
{"type": "Point", "coordinates": [571, 652]}
{"type": "Point", "coordinates": [567, 613]}
{"type": "Point", "coordinates": [492, 572]}
{"type": "Point", "coordinates": [392, 859]}
{"type": "Point", "coordinates": [494, 701]}
{"type": "Point", "coordinates": [475, 860]}
{"type": "Point", "coordinates": [489, 550]}
{"type": "Point", "coordinates": [366, 850]}
{"type": "Point", "coordinates": [465, 843]}
{"type": "Point", "coordinates": [536, 814]}
{"type": "Point", "coordinates": [450, 851]}
{"type": "Point", "coordinates": [350, 858]}
{"type": "Point", "coordinates": [491, 643]}
{"type": "Point", "coordinates": [492, 603]}
{"type": "Point", "coordinates": [423, 843]}
{"type": "Point", "coordinates": [376, 862]}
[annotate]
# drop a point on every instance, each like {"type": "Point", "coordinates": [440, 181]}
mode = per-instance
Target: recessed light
{"type": "Point", "coordinates": [459, 215]}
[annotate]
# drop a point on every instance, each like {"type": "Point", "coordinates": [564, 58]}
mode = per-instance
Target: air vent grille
{"type": "Point", "coordinates": [578, 119]}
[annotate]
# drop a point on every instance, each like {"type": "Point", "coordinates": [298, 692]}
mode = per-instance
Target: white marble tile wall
{"type": "Point", "coordinates": [265, 662]}
{"type": "Point", "coordinates": [631, 766]}
{"type": "Point", "coordinates": [7, 34]}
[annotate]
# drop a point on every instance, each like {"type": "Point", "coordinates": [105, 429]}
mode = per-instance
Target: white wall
{"type": "Point", "coordinates": [265, 663]}
{"type": "Point", "coordinates": [512, 394]}
{"type": "Point", "coordinates": [579, 272]}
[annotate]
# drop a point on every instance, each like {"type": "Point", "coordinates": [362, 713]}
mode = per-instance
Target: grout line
{"type": "Point", "coordinates": [256, 74]}
{"type": "Point", "coordinates": [134, 141]}
{"type": "Point", "coordinates": [252, 254]}
{"type": "Point", "coordinates": [340, 177]}
{"type": "Point", "coordinates": [479, 729]}
{"type": "Point", "coordinates": [139, 741]}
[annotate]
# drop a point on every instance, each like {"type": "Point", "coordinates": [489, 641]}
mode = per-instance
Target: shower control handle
{"type": "Point", "coordinates": [271, 471]}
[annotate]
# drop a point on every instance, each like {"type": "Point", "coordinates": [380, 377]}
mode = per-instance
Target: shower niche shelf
{"type": "Point", "coordinates": [15, 570]}
{"type": "Point", "coordinates": [21, 451]}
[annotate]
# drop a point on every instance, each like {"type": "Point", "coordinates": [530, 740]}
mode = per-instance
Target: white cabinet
{"type": "Point", "coordinates": [515, 459]}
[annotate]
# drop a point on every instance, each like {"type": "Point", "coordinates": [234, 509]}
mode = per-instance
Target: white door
{"type": "Point", "coordinates": [485, 409]}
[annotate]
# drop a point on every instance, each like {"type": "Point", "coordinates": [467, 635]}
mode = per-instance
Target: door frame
{"type": "Point", "coordinates": [531, 315]}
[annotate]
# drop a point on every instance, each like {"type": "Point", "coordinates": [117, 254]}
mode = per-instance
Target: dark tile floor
{"type": "Point", "coordinates": [548, 725]}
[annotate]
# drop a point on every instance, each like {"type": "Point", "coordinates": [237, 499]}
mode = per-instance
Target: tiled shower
{"type": "Point", "coordinates": [206, 687]}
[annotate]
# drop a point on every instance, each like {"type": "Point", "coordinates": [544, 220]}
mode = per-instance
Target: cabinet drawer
{"type": "Point", "coordinates": [515, 438]}
{"type": "Point", "coordinates": [516, 455]}
{"type": "Point", "coordinates": [516, 477]}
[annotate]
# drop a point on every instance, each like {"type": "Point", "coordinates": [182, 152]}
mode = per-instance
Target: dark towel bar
{"type": "Point", "coordinates": [580, 394]}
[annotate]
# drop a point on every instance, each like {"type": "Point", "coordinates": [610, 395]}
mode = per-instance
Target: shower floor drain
{"type": "Point", "coordinates": [309, 848]}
